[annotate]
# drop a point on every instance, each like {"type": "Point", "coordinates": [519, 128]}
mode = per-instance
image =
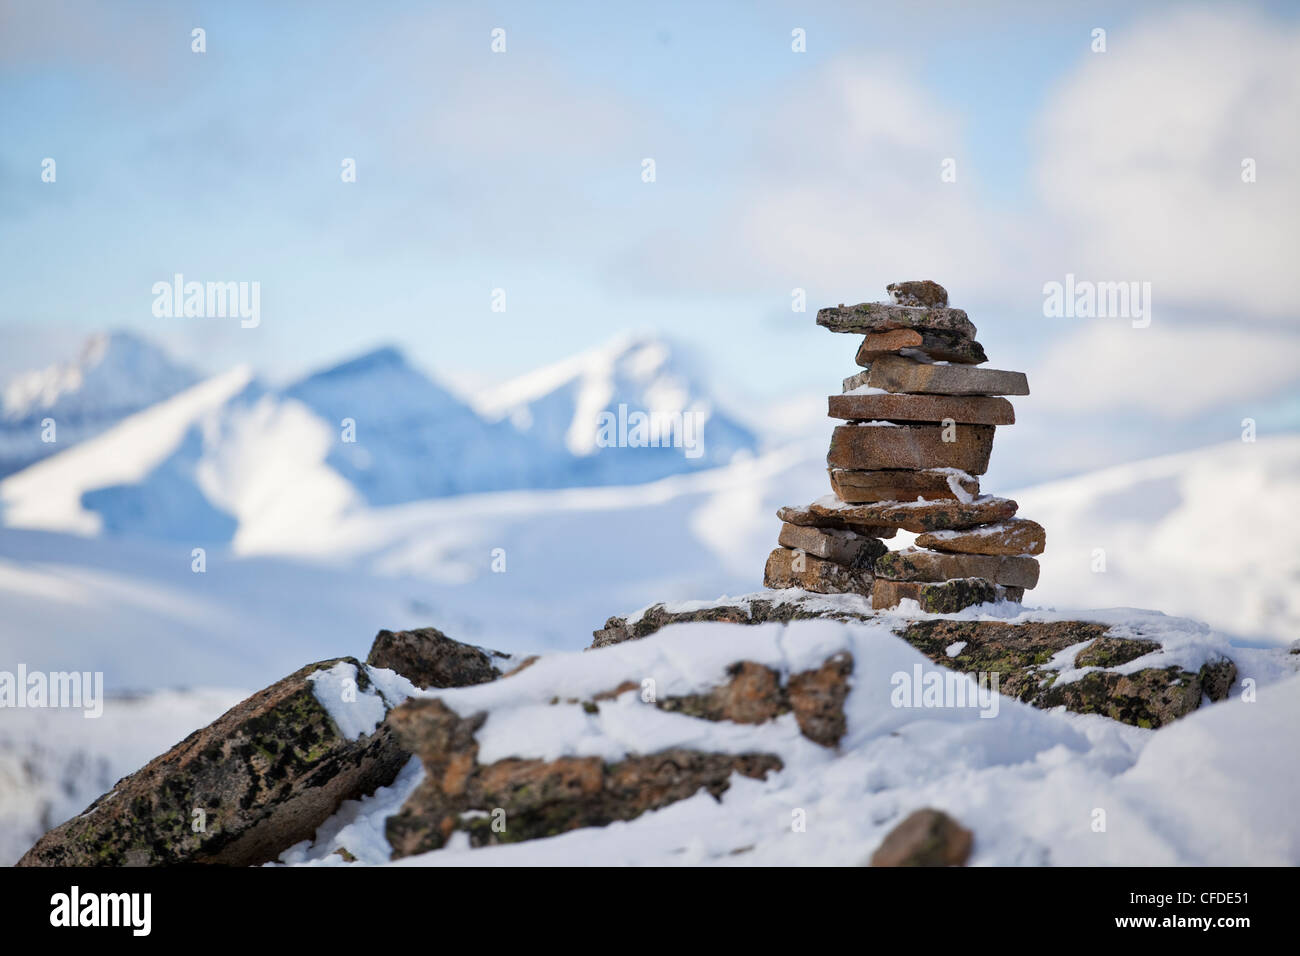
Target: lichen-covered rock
{"type": "Point", "coordinates": [1018, 653]}
{"type": "Point", "coordinates": [940, 597]}
{"type": "Point", "coordinates": [868, 317]}
{"type": "Point", "coordinates": [926, 838]}
{"type": "Point", "coordinates": [917, 564]}
{"type": "Point", "coordinates": [239, 792]}
{"type": "Point", "coordinates": [524, 799]}
{"type": "Point", "coordinates": [429, 658]}
{"type": "Point", "coordinates": [1013, 536]}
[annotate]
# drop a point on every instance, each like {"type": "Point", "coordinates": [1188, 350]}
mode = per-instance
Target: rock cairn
{"type": "Point", "coordinates": [918, 431]}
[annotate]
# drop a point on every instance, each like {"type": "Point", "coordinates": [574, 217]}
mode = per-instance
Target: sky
{"type": "Point", "coordinates": [775, 170]}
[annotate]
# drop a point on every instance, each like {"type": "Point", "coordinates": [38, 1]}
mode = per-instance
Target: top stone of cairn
{"type": "Point", "coordinates": [918, 292]}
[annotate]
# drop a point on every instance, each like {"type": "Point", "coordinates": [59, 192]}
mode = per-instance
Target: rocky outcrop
{"type": "Point", "coordinates": [926, 838]}
{"type": "Point", "coordinates": [1151, 697]}
{"type": "Point", "coordinates": [240, 791]}
{"type": "Point", "coordinates": [522, 799]}
{"type": "Point", "coordinates": [1018, 653]}
{"type": "Point", "coordinates": [429, 658]}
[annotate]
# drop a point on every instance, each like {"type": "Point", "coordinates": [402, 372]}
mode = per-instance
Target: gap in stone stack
{"type": "Point", "coordinates": [918, 430]}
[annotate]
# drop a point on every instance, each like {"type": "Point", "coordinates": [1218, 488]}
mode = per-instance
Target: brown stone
{"type": "Point", "coordinates": [874, 447]}
{"type": "Point", "coordinates": [537, 798]}
{"type": "Point", "coordinates": [754, 694]}
{"type": "Point", "coordinates": [918, 292]}
{"type": "Point", "coordinates": [429, 658]}
{"type": "Point", "coordinates": [1014, 536]}
{"type": "Point", "coordinates": [865, 486]}
{"type": "Point", "coordinates": [934, 345]}
{"type": "Point", "coordinates": [843, 547]}
{"type": "Point", "coordinates": [947, 597]}
{"type": "Point", "coordinates": [882, 316]}
{"type": "Point", "coordinates": [798, 569]}
{"type": "Point", "coordinates": [914, 564]}
{"type": "Point", "coordinates": [917, 516]}
{"type": "Point", "coordinates": [805, 518]}
{"type": "Point", "coordinates": [963, 409]}
{"type": "Point", "coordinates": [897, 373]}
{"type": "Point", "coordinates": [926, 838]}
{"type": "Point", "coordinates": [266, 774]}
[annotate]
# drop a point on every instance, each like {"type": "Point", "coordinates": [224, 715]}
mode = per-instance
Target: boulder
{"type": "Point", "coordinates": [926, 838]}
{"type": "Point", "coordinates": [242, 790]}
{"type": "Point", "coordinates": [429, 658]}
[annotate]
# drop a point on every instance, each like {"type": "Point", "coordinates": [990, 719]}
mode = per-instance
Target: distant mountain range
{"type": "Point", "coordinates": [143, 447]}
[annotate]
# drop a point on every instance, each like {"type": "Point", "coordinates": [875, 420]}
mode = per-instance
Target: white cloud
{"type": "Point", "coordinates": [1142, 160]}
{"type": "Point", "coordinates": [1172, 371]}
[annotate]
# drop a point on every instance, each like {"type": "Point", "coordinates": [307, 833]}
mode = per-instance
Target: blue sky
{"type": "Point", "coordinates": [775, 170]}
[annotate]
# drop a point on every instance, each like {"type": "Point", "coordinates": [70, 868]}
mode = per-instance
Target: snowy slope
{"type": "Point", "coordinates": [116, 375]}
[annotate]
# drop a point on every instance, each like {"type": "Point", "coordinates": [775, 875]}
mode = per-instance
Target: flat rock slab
{"type": "Point", "coordinates": [873, 447]}
{"type": "Point", "coordinates": [939, 346]}
{"type": "Point", "coordinates": [856, 551]}
{"type": "Point", "coordinates": [917, 516]}
{"type": "Point", "coordinates": [265, 775]}
{"type": "Point", "coordinates": [857, 380]}
{"type": "Point", "coordinates": [963, 409]}
{"type": "Point", "coordinates": [896, 373]}
{"type": "Point", "coordinates": [804, 517]}
{"type": "Point", "coordinates": [883, 316]}
{"type": "Point", "coordinates": [1014, 536]}
{"type": "Point", "coordinates": [857, 487]}
{"type": "Point", "coordinates": [750, 611]}
{"type": "Point", "coordinates": [787, 568]}
{"type": "Point", "coordinates": [915, 564]}
{"type": "Point", "coordinates": [947, 597]}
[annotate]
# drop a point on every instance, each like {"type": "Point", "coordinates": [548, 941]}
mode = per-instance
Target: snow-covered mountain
{"type": "Point", "coordinates": [583, 402]}
{"type": "Point", "coordinates": [231, 459]}
{"type": "Point", "coordinates": [117, 374]}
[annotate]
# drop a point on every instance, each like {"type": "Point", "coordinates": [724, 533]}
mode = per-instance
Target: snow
{"type": "Point", "coordinates": [1216, 787]}
{"type": "Point", "coordinates": [354, 711]}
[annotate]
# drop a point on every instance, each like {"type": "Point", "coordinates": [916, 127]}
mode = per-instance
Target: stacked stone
{"type": "Point", "coordinates": [917, 434]}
